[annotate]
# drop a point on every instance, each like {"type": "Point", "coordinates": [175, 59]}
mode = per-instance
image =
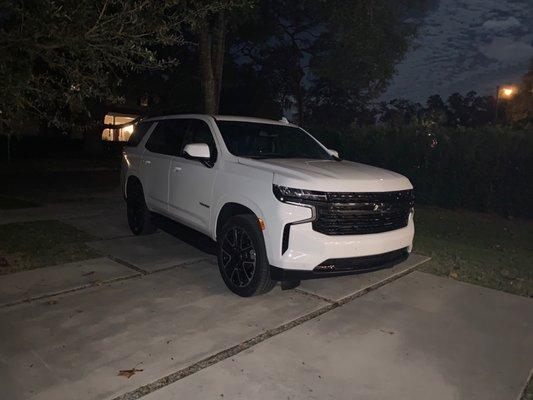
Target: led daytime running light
{"type": "Point", "coordinates": [287, 194]}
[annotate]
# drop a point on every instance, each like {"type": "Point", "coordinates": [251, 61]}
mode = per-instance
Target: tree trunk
{"type": "Point", "coordinates": [300, 103]}
{"type": "Point", "coordinates": [219, 48]}
{"type": "Point", "coordinates": [212, 44]}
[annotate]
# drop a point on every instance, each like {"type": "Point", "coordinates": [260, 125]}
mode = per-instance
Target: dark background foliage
{"type": "Point", "coordinates": [322, 63]}
{"type": "Point", "coordinates": [481, 169]}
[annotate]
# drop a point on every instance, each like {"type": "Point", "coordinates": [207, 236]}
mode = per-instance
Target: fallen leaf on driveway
{"type": "Point", "coordinates": [128, 373]}
{"type": "Point", "coordinates": [51, 302]}
{"type": "Point", "coordinates": [87, 273]}
{"type": "Point", "coordinates": [454, 275]}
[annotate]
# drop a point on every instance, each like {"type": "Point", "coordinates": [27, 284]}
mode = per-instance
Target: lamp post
{"type": "Point", "coordinates": [505, 92]}
{"type": "Point", "coordinates": [496, 106]}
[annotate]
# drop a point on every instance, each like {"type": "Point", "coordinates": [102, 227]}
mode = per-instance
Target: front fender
{"type": "Point", "coordinates": [242, 200]}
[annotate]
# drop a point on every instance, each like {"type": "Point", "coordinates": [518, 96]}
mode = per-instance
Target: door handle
{"type": "Point", "coordinates": [176, 169]}
{"type": "Point", "coordinates": [147, 162]}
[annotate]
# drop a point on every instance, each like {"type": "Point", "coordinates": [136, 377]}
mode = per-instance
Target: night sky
{"type": "Point", "coordinates": [466, 45]}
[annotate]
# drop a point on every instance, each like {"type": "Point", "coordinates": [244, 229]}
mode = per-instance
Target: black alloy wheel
{"type": "Point", "coordinates": [238, 256]}
{"type": "Point", "coordinates": [242, 258]}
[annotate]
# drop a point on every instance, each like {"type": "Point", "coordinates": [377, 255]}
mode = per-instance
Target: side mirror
{"type": "Point", "coordinates": [334, 153]}
{"type": "Point", "coordinates": [197, 150]}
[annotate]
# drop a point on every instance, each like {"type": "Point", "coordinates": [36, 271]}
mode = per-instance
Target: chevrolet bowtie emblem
{"type": "Point", "coordinates": [379, 207]}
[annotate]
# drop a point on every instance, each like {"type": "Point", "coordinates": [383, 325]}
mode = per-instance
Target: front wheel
{"type": "Point", "coordinates": [242, 257]}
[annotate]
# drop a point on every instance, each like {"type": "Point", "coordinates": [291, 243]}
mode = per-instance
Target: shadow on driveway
{"type": "Point", "coordinates": [186, 234]}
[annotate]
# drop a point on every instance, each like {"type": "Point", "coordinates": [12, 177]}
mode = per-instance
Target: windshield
{"type": "Point", "coordinates": [258, 140]}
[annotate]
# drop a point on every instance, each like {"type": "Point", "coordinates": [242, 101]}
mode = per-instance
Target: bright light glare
{"type": "Point", "coordinates": [508, 91]}
{"type": "Point", "coordinates": [128, 129]}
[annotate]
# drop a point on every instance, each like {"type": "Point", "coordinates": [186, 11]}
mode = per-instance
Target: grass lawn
{"type": "Point", "coordinates": [11, 203]}
{"type": "Point", "coordinates": [26, 165]}
{"type": "Point", "coordinates": [36, 244]}
{"type": "Point", "coordinates": [54, 180]}
{"type": "Point", "coordinates": [482, 249]}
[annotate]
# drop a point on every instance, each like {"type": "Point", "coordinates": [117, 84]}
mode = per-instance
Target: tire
{"type": "Point", "coordinates": [242, 258]}
{"type": "Point", "coordinates": [139, 216]}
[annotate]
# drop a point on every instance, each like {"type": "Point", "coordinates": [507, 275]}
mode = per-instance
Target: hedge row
{"type": "Point", "coordinates": [483, 169]}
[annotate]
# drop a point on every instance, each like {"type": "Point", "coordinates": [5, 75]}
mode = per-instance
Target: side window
{"type": "Point", "coordinates": [199, 132]}
{"type": "Point", "coordinates": [138, 133]}
{"type": "Point", "coordinates": [167, 137]}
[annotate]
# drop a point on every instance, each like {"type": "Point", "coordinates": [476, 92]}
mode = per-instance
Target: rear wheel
{"type": "Point", "coordinates": [242, 257]}
{"type": "Point", "coordinates": [139, 216]}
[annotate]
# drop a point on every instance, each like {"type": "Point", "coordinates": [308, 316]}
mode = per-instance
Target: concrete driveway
{"type": "Point", "coordinates": [155, 308]}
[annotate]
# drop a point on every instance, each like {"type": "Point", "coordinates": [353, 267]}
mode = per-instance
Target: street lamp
{"type": "Point", "coordinates": [505, 92]}
{"type": "Point", "coordinates": [508, 91]}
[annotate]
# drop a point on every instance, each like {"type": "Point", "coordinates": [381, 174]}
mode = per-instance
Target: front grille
{"type": "Point", "coordinates": [363, 213]}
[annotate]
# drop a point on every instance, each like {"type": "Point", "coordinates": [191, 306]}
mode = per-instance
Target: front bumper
{"type": "Point", "coordinates": [343, 266]}
{"type": "Point", "coordinates": [306, 249]}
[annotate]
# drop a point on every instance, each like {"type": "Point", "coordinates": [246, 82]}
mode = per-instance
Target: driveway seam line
{"type": "Point", "coordinates": [352, 296]}
{"type": "Point", "coordinates": [145, 272]}
{"type": "Point", "coordinates": [523, 391]}
{"type": "Point", "coordinates": [314, 295]}
{"type": "Point", "coordinates": [127, 264]}
{"type": "Point", "coordinates": [220, 356]}
{"type": "Point", "coordinates": [379, 284]}
{"type": "Point", "coordinates": [183, 264]}
{"type": "Point", "coordinates": [239, 348]}
{"type": "Point", "coordinates": [140, 273]}
{"type": "Point", "coordinates": [71, 290]}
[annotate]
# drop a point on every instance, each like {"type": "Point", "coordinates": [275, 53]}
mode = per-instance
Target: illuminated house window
{"type": "Point", "coordinates": [118, 134]}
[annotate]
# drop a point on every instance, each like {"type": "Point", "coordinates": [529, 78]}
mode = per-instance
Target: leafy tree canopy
{"type": "Point", "coordinates": [57, 55]}
{"type": "Point", "coordinates": [326, 57]}
{"type": "Point", "coordinates": [323, 59]}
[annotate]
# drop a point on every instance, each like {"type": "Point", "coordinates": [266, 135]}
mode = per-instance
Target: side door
{"type": "Point", "coordinates": [161, 146]}
{"type": "Point", "coordinates": [191, 181]}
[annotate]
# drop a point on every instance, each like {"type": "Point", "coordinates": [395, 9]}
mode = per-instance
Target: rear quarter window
{"type": "Point", "coordinates": [138, 133]}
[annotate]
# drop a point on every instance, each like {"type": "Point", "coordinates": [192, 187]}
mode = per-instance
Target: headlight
{"type": "Point", "coordinates": [292, 195]}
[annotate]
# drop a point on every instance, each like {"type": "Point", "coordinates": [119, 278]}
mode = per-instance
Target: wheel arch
{"type": "Point", "coordinates": [229, 210]}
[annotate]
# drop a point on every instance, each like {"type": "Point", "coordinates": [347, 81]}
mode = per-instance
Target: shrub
{"type": "Point", "coordinates": [481, 169]}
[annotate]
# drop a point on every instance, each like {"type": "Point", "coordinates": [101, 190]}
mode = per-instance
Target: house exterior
{"type": "Point", "coordinates": [118, 126]}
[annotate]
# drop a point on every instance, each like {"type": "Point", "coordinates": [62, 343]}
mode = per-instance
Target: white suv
{"type": "Point", "coordinates": [280, 205]}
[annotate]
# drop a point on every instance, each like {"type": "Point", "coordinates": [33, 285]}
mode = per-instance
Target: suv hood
{"type": "Point", "coordinates": [330, 175]}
